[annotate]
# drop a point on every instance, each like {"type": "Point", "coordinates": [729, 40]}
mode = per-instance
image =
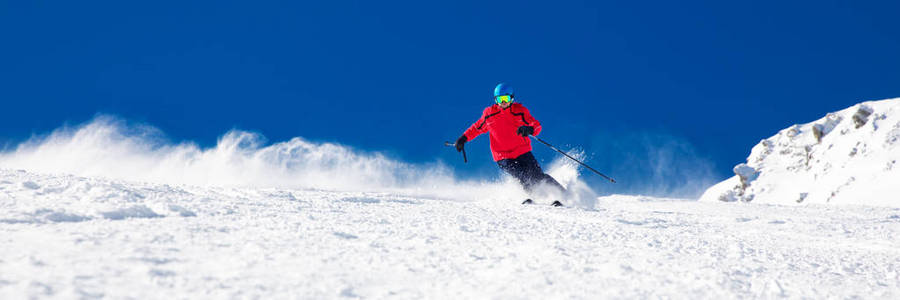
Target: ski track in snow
{"type": "Point", "coordinates": [73, 237]}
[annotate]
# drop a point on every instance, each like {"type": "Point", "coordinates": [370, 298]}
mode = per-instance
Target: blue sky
{"type": "Point", "coordinates": [697, 83]}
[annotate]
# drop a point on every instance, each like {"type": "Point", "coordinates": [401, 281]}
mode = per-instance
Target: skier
{"type": "Point", "coordinates": [509, 125]}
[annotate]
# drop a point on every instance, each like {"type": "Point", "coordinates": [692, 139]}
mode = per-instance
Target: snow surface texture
{"type": "Point", "coordinates": [846, 157]}
{"type": "Point", "coordinates": [75, 237]}
{"type": "Point", "coordinates": [141, 217]}
{"type": "Point", "coordinates": [110, 148]}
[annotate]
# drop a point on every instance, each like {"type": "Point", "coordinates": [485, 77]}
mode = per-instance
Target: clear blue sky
{"type": "Point", "coordinates": [703, 80]}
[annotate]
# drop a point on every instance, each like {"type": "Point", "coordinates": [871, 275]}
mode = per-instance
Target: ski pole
{"type": "Point", "coordinates": [572, 158]}
{"type": "Point", "coordinates": [449, 144]}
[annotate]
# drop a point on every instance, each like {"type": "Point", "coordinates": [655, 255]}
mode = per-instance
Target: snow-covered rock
{"type": "Point", "coordinates": [846, 157]}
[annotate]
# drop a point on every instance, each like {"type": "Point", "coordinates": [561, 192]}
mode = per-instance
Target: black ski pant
{"type": "Point", "coordinates": [525, 168]}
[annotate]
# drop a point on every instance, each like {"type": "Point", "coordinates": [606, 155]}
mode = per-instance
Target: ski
{"type": "Point", "coordinates": [555, 203]}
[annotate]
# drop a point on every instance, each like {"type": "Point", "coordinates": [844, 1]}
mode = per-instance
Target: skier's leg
{"type": "Point", "coordinates": [536, 174]}
{"type": "Point", "coordinates": [547, 179]}
{"type": "Point", "coordinates": [531, 172]}
{"type": "Point", "coordinates": [515, 169]}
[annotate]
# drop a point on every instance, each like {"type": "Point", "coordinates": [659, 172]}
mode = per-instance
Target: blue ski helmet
{"type": "Point", "coordinates": [503, 89]}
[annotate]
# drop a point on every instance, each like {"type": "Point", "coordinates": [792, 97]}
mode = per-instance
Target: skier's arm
{"type": "Point", "coordinates": [477, 128]}
{"type": "Point", "coordinates": [531, 121]}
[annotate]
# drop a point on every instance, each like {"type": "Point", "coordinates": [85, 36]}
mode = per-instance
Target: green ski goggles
{"type": "Point", "coordinates": [503, 99]}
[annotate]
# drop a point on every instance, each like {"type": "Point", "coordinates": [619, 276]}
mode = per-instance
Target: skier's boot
{"type": "Point", "coordinates": [556, 203]}
{"type": "Point", "coordinates": [527, 201]}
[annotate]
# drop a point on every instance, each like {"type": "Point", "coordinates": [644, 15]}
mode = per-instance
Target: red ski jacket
{"type": "Point", "coordinates": [502, 125]}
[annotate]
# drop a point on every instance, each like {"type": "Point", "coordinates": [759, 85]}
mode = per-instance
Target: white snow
{"type": "Point", "coordinates": [108, 210]}
{"type": "Point", "coordinates": [78, 237]}
{"type": "Point", "coordinates": [846, 157]}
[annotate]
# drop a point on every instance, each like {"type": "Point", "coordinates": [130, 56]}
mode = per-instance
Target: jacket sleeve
{"type": "Point", "coordinates": [531, 121]}
{"type": "Point", "coordinates": [477, 128]}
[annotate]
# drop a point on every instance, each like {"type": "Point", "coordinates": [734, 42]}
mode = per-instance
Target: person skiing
{"type": "Point", "coordinates": [509, 125]}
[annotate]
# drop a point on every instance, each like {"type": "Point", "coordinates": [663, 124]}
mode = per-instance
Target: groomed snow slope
{"type": "Point", "coordinates": [847, 157]}
{"type": "Point", "coordinates": [76, 237]}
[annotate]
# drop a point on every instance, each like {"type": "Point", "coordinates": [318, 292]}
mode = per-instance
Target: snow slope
{"type": "Point", "coordinates": [111, 210]}
{"type": "Point", "coordinates": [77, 237]}
{"type": "Point", "coordinates": [847, 157]}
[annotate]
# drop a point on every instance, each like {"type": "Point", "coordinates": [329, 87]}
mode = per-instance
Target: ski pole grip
{"type": "Point", "coordinates": [465, 159]}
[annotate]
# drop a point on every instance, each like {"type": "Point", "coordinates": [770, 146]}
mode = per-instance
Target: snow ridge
{"type": "Point", "coordinates": [846, 157]}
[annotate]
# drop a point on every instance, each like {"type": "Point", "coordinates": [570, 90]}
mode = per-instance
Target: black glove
{"type": "Point", "coordinates": [525, 131]}
{"type": "Point", "coordinates": [460, 142]}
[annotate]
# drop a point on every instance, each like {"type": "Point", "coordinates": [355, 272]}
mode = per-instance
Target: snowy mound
{"type": "Point", "coordinates": [846, 157]}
